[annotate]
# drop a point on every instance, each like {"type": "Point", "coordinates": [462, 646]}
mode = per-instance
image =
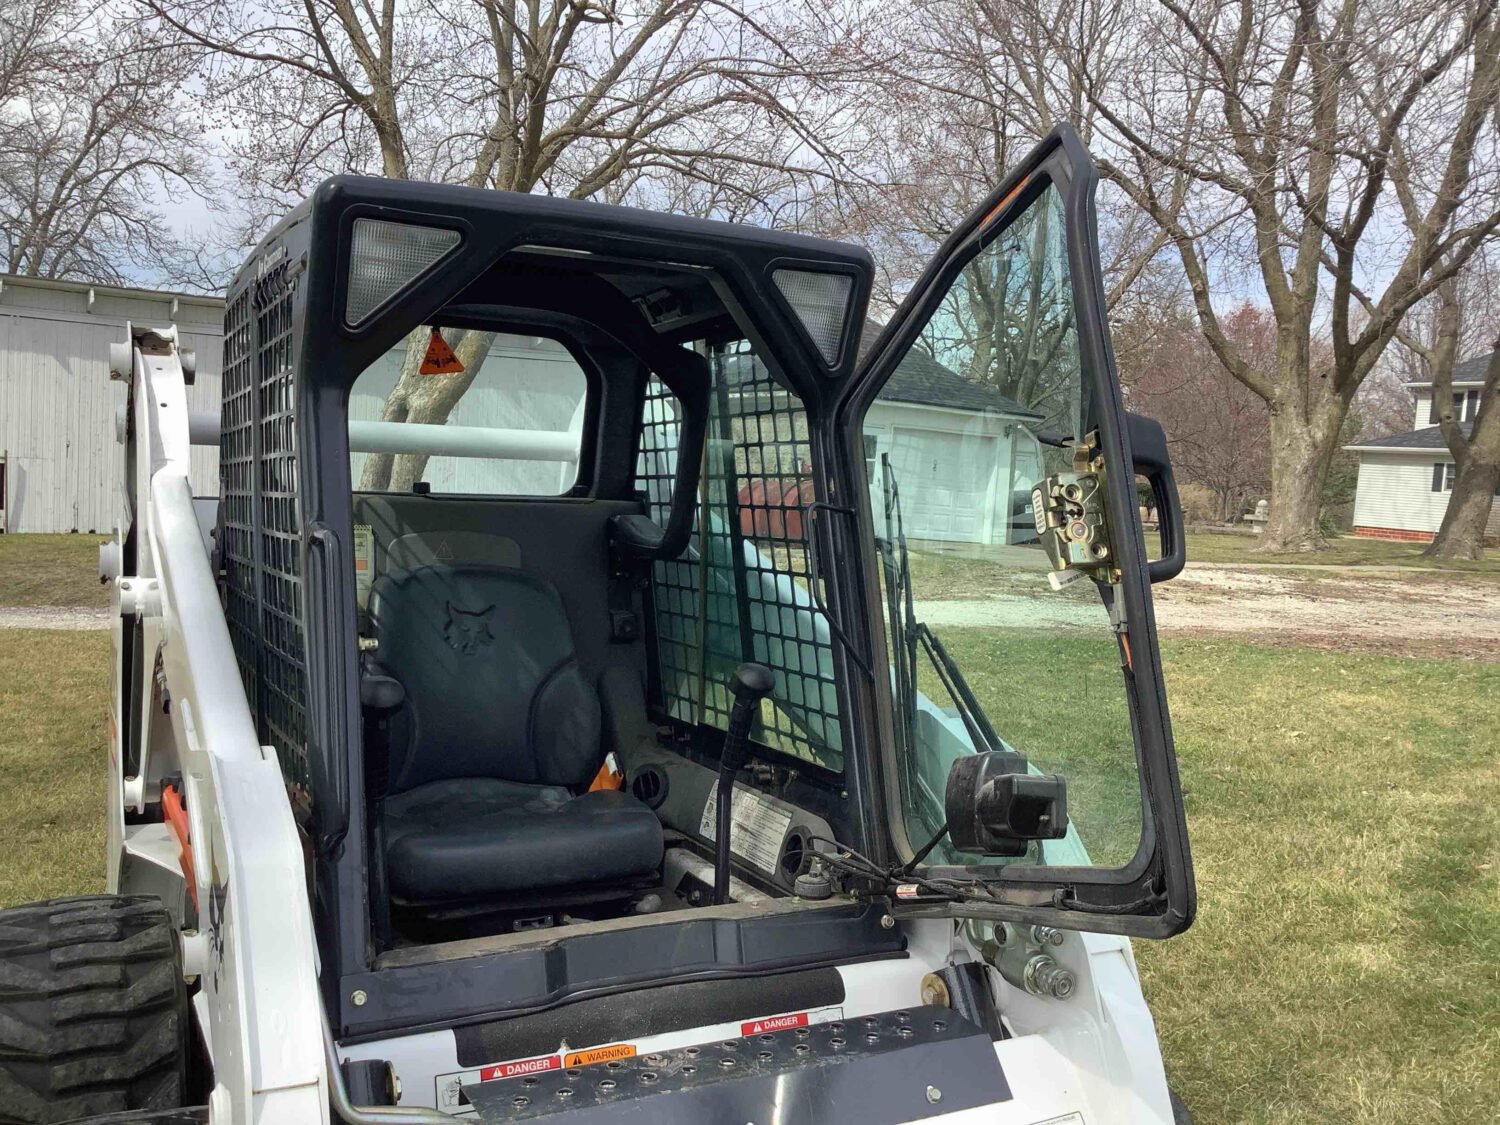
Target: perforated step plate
{"type": "Point", "coordinates": [878, 1070]}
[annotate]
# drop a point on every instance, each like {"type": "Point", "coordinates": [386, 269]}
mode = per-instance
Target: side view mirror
{"type": "Point", "coordinates": [1148, 449]}
{"type": "Point", "coordinates": [995, 805]}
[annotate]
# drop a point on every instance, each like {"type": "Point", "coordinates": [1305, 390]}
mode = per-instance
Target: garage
{"type": "Point", "coordinates": [946, 481]}
{"type": "Point", "coordinates": [964, 455]}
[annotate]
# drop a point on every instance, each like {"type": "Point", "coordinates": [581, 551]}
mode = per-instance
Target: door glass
{"type": "Point", "coordinates": [989, 402]}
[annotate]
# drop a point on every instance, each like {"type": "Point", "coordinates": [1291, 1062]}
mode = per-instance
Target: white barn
{"type": "Point", "coordinates": [58, 405]}
{"type": "Point", "coordinates": [1406, 479]}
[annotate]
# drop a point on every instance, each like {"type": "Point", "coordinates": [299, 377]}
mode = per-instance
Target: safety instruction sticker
{"type": "Point", "coordinates": [601, 1054]}
{"type": "Point", "coordinates": [757, 827]}
{"type": "Point", "coordinates": [364, 561]}
{"type": "Point", "coordinates": [789, 1020]}
{"type": "Point", "coordinates": [449, 1087]}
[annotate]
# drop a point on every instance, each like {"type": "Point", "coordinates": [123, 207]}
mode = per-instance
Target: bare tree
{"type": "Point", "coordinates": [586, 98]}
{"type": "Point", "coordinates": [944, 115]}
{"type": "Point", "coordinates": [1462, 320]}
{"type": "Point", "coordinates": [93, 135]}
{"type": "Point", "coordinates": [1216, 426]}
{"type": "Point", "coordinates": [1283, 145]}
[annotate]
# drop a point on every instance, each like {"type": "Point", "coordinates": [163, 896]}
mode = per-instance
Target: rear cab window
{"type": "Point", "coordinates": [512, 416]}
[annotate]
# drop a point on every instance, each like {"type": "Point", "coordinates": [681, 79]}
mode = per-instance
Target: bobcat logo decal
{"type": "Point", "coordinates": [466, 630]}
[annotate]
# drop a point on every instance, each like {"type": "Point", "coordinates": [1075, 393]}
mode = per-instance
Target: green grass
{"type": "Point", "coordinates": [1345, 966]}
{"type": "Point", "coordinates": [1057, 696]}
{"type": "Point", "coordinates": [1347, 550]}
{"type": "Point", "coordinates": [54, 706]}
{"type": "Point", "coordinates": [938, 574]}
{"type": "Point", "coordinates": [58, 570]}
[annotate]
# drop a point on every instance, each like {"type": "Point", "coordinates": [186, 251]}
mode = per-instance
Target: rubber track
{"type": "Point", "coordinates": [92, 1009]}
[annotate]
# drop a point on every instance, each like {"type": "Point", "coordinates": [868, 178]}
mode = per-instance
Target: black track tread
{"type": "Point", "coordinates": [93, 1009]}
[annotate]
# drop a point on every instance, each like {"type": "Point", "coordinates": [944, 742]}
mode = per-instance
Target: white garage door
{"type": "Point", "coordinates": [945, 483]}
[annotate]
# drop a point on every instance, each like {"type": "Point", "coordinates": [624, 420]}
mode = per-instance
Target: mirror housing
{"type": "Point", "coordinates": [996, 806]}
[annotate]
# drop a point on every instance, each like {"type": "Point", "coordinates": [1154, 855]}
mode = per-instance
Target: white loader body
{"type": "Point", "coordinates": [1091, 1056]}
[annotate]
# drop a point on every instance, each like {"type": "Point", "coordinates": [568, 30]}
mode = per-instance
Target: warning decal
{"type": "Point", "coordinates": [364, 561]}
{"type": "Point", "coordinates": [439, 359]}
{"type": "Point", "coordinates": [757, 828]}
{"type": "Point", "coordinates": [774, 1023]}
{"type": "Point", "coordinates": [519, 1067]}
{"type": "Point", "coordinates": [601, 1054]}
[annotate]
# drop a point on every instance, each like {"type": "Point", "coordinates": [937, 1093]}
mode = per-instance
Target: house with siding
{"type": "Point", "coordinates": [1406, 479]}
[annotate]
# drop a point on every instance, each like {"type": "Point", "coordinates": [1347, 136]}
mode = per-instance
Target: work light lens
{"type": "Point", "coordinates": [821, 302]}
{"type": "Point", "coordinates": [386, 258]}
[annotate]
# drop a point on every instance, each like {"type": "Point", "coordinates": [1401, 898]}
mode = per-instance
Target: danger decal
{"type": "Point", "coordinates": [439, 359]}
{"type": "Point", "coordinates": [774, 1023]}
{"type": "Point", "coordinates": [518, 1067]}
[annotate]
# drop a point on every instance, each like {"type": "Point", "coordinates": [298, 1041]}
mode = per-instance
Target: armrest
{"type": "Point", "coordinates": [381, 694]}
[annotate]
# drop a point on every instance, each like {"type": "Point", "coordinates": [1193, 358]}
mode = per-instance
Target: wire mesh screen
{"type": "Point", "coordinates": [741, 590]}
{"type": "Point", "coordinates": [237, 493]}
{"type": "Point", "coordinates": [260, 518]}
{"type": "Point", "coordinates": [283, 702]}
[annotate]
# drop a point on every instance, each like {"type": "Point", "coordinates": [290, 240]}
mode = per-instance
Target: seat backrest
{"type": "Point", "coordinates": [493, 688]}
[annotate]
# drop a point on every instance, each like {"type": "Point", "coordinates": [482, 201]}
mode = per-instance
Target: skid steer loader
{"type": "Point", "coordinates": [613, 684]}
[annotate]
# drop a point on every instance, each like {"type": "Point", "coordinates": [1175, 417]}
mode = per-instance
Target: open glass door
{"type": "Point", "coordinates": [1026, 751]}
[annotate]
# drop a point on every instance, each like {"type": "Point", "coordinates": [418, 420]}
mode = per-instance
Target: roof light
{"type": "Point", "coordinates": [386, 257]}
{"type": "Point", "coordinates": [821, 302]}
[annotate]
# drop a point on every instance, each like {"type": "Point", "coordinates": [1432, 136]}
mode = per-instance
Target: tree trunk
{"type": "Point", "coordinates": [1302, 449]}
{"type": "Point", "coordinates": [1461, 535]}
{"type": "Point", "coordinates": [423, 398]}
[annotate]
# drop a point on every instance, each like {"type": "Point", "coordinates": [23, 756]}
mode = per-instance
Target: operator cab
{"type": "Point", "coordinates": [585, 568]}
{"type": "Point", "coordinates": [516, 507]}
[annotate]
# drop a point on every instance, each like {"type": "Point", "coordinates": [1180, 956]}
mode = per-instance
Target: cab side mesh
{"type": "Point", "coordinates": [260, 518]}
{"type": "Point", "coordinates": [237, 495]}
{"type": "Point", "coordinates": [283, 654]}
{"type": "Point", "coordinates": [751, 552]}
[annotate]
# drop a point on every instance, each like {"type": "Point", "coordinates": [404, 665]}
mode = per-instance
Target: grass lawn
{"type": "Point", "coordinates": [61, 570]}
{"type": "Point", "coordinates": [54, 706]}
{"type": "Point", "coordinates": [1347, 550]}
{"type": "Point", "coordinates": [1345, 966]}
{"type": "Point", "coordinates": [938, 574]}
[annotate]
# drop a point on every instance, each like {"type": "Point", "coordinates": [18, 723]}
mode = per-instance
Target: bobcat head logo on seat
{"type": "Point", "coordinates": [466, 630]}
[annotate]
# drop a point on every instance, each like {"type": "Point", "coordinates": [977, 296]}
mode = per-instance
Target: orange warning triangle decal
{"type": "Point", "coordinates": [439, 359]}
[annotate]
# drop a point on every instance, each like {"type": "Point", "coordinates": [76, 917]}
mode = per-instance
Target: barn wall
{"type": "Point", "coordinates": [58, 404]}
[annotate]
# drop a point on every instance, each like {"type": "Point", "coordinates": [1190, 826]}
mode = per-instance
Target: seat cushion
{"type": "Point", "coordinates": [481, 837]}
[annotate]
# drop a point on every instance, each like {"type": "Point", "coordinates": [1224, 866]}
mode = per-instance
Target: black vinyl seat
{"type": "Point", "coordinates": [499, 728]}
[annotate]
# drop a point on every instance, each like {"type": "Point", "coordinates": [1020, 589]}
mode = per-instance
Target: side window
{"type": "Point", "coordinates": [740, 591]}
{"type": "Point", "coordinates": [498, 415]}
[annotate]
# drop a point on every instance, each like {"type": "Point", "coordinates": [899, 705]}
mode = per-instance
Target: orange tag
{"type": "Point", "coordinates": [600, 1054]}
{"type": "Point", "coordinates": [439, 359]}
{"type": "Point", "coordinates": [608, 777]}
